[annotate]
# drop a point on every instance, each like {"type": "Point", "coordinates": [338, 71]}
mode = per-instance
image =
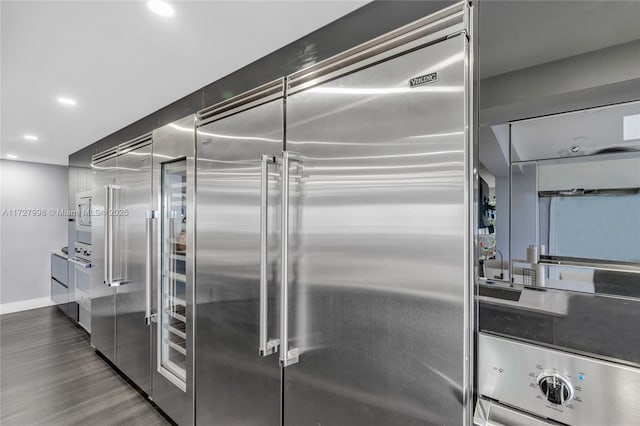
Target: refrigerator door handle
{"type": "Point", "coordinates": [288, 356]}
{"type": "Point", "coordinates": [149, 218]}
{"type": "Point", "coordinates": [107, 235]}
{"type": "Point", "coordinates": [111, 215]}
{"type": "Point", "coordinates": [266, 346]}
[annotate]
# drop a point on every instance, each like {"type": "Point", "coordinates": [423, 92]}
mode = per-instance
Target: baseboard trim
{"type": "Point", "coordinates": [25, 305]}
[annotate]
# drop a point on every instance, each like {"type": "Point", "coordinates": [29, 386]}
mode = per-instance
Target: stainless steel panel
{"type": "Point", "coordinates": [605, 393]}
{"type": "Point", "coordinates": [583, 323]}
{"type": "Point", "coordinates": [84, 317]}
{"type": "Point", "coordinates": [59, 294]}
{"type": "Point", "coordinates": [82, 277]}
{"type": "Point", "coordinates": [132, 333]}
{"type": "Point", "coordinates": [235, 385]}
{"type": "Point", "coordinates": [59, 268]}
{"type": "Point", "coordinates": [103, 301]}
{"type": "Point", "coordinates": [288, 355]}
{"type": "Point", "coordinates": [433, 27]}
{"type": "Point", "coordinates": [72, 280]}
{"type": "Point", "coordinates": [377, 247]}
{"type": "Point", "coordinates": [489, 413]}
{"type": "Point", "coordinates": [83, 237]}
{"type": "Point", "coordinates": [172, 142]}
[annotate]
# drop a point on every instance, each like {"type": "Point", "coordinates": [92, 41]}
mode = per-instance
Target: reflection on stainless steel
{"type": "Point", "coordinates": [591, 264]}
{"type": "Point", "coordinates": [436, 135]}
{"type": "Point", "coordinates": [132, 335]}
{"type": "Point", "coordinates": [121, 182]}
{"type": "Point", "coordinates": [531, 300]}
{"type": "Point", "coordinates": [554, 200]}
{"type": "Point", "coordinates": [385, 90]}
{"type": "Point", "coordinates": [188, 129]}
{"type": "Point", "coordinates": [81, 263]}
{"type": "Point", "coordinates": [238, 137]}
{"type": "Point", "coordinates": [235, 313]}
{"type": "Point", "coordinates": [407, 140]}
{"type": "Point", "coordinates": [490, 413]}
{"type": "Point", "coordinates": [446, 22]}
{"type": "Point", "coordinates": [102, 297]}
{"type": "Point", "coordinates": [266, 346]}
{"type": "Point", "coordinates": [376, 249]}
{"type": "Point", "coordinates": [574, 367]}
{"type": "Point", "coordinates": [288, 356]}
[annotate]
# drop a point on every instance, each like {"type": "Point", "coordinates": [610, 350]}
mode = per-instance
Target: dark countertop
{"type": "Point", "coordinates": [603, 326]}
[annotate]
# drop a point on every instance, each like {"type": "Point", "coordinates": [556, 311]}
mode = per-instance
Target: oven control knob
{"type": "Point", "coordinates": [556, 388]}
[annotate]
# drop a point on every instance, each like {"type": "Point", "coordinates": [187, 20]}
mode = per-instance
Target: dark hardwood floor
{"type": "Point", "coordinates": [49, 375]}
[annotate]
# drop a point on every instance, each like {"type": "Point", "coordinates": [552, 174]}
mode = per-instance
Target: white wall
{"type": "Point", "coordinates": [601, 77]}
{"type": "Point", "coordinates": [26, 241]}
{"type": "Point", "coordinates": [524, 209]}
{"type": "Point", "coordinates": [502, 215]}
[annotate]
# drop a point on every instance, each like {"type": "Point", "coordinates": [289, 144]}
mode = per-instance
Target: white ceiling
{"type": "Point", "coordinates": [516, 34]}
{"type": "Point", "coordinates": [121, 62]}
{"type": "Point", "coordinates": [589, 131]}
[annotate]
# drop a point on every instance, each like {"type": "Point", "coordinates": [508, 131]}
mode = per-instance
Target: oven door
{"type": "Point", "coordinates": [83, 203]}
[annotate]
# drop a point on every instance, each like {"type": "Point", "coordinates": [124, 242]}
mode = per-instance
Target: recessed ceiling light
{"type": "Point", "coordinates": [575, 148]}
{"type": "Point", "coordinates": [11, 156]}
{"type": "Point", "coordinates": [30, 137]}
{"type": "Point", "coordinates": [66, 101]}
{"type": "Point", "coordinates": [160, 7]}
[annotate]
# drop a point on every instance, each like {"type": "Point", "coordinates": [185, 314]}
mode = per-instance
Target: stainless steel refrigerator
{"type": "Point", "coordinates": [121, 196]}
{"type": "Point", "coordinates": [142, 281]}
{"type": "Point", "coordinates": [334, 239]}
{"type": "Point", "coordinates": [237, 228]}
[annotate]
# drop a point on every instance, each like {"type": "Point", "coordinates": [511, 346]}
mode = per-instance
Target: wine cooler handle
{"type": "Point", "coordinates": [148, 275]}
{"type": "Point", "coordinates": [288, 356]}
{"type": "Point", "coordinates": [266, 346]}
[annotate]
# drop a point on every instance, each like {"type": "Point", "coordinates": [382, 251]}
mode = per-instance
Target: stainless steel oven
{"type": "Point", "coordinates": [80, 258]}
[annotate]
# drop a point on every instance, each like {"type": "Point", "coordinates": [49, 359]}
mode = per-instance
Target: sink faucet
{"type": "Point", "coordinates": [501, 276]}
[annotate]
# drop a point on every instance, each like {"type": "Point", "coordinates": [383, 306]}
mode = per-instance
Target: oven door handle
{"type": "Point", "coordinates": [81, 263]}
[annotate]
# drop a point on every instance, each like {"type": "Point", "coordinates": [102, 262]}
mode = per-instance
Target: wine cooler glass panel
{"type": "Point", "coordinates": [173, 330]}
